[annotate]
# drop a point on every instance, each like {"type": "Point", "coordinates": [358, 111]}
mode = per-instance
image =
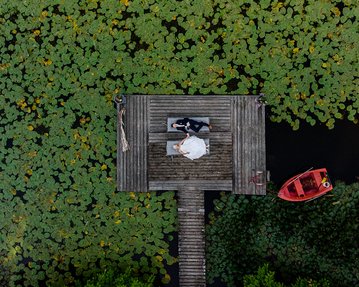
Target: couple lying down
{"type": "Point", "coordinates": [191, 147]}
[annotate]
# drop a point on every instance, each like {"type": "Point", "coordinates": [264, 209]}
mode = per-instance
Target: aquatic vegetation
{"type": "Point", "coordinates": [302, 55]}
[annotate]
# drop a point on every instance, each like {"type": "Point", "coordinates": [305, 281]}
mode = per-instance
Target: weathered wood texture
{"type": "Point", "coordinates": [248, 126]}
{"type": "Point", "coordinates": [132, 164]}
{"type": "Point", "coordinates": [191, 241]}
{"type": "Point", "coordinates": [222, 185]}
{"type": "Point", "coordinates": [217, 108]}
{"type": "Point", "coordinates": [216, 166]}
{"type": "Point", "coordinates": [237, 144]}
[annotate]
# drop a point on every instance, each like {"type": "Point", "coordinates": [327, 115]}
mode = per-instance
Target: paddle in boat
{"type": "Point", "coordinates": [306, 186]}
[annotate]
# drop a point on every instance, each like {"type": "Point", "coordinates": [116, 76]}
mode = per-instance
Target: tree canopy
{"type": "Point", "coordinates": [316, 240]}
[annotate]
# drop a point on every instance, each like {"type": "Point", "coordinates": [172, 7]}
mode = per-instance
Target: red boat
{"type": "Point", "coordinates": [306, 186]}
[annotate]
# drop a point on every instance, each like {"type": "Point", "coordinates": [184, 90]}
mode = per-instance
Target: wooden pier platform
{"type": "Point", "coordinates": [236, 163]}
{"type": "Point", "coordinates": [237, 160]}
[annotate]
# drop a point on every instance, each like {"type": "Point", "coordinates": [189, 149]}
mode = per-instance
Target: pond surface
{"type": "Point", "coordinates": [292, 152]}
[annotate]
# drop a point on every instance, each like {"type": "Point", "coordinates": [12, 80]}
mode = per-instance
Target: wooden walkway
{"type": "Point", "coordinates": [236, 162]}
{"type": "Point", "coordinates": [191, 249]}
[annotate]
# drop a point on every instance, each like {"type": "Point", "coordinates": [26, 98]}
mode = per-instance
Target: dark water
{"type": "Point", "coordinates": [292, 152]}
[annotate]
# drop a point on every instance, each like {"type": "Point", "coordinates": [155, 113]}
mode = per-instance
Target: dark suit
{"type": "Point", "coordinates": [193, 125]}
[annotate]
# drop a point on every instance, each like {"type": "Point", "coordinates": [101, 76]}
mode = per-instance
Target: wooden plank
{"type": "Point", "coordinates": [130, 124]}
{"type": "Point", "coordinates": [215, 137]}
{"type": "Point", "coordinates": [222, 185]}
{"type": "Point", "coordinates": [248, 146]}
{"type": "Point", "coordinates": [118, 157]}
{"type": "Point", "coordinates": [191, 240]}
{"type": "Point", "coordinates": [216, 166]}
{"type": "Point", "coordinates": [236, 163]}
{"type": "Point", "coordinates": [217, 108]}
{"type": "Point", "coordinates": [133, 163]}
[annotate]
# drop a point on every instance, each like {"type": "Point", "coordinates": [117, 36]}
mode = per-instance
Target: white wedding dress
{"type": "Point", "coordinates": [194, 147]}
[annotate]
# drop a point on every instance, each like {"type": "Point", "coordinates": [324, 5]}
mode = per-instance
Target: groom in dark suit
{"type": "Point", "coordinates": [187, 124]}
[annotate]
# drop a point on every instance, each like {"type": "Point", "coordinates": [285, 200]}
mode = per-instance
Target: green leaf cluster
{"type": "Point", "coordinates": [308, 240]}
{"type": "Point", "coordinates": [266, 278]}
{"type": "Point", "coordinates": [110, 278]}
{"type": "Point", "coordinates": [58, 238]}
{"type": "Point", "coordinates": [61, 63]}
{"type": "Point", "coordinates": [301, 54]}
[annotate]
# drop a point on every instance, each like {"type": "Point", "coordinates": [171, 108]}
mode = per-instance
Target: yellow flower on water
{"type": "Point", "coordinates": [102, 243]}
{"type": "Point", "coordinates": [166, 279]}
{"type": "Point", "coordinates": [159, 258]}
{"type": "Point", "coordinates": [103, 167]}
{"type": "Point", "coordinates": [336, 11]}
{"type": "Point", "coordinates": [295, 50]}
{"type": "Point", "coordinates": [162, 251]}
{"type": "Point", "coordinates": [30, 127]}
{"type": "Point", "coordinates": [47, 62]}
{"type": "Point", "coordinates": [126, 2]}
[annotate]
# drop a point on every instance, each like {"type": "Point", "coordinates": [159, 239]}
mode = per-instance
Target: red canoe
{"type": "Point", "coordinates": [306, 186]}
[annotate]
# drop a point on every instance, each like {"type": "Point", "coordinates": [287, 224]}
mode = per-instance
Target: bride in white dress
{"type": "Point", "coordinates": [191, 147]}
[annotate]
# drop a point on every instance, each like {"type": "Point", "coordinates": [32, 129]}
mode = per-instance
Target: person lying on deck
{"type": "Point", "coordinates": [191, 147]}
{"type": "Point", "coordinates": [186, 124]}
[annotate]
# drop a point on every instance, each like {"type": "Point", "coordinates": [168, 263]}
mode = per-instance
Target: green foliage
{"type": "Point", "coordinates": [110, 278]}
{"type": "Point", "coordinates": [266, 278]}
{"type": "Point", "coordinates": [311, 283]}
{"type": "Point", "coordinates": [301, 54]}
{"type": "Point", "coordinates": [58, 239]}
{"type": "Point", "coordinates": [61, 63]}
{"type": "Point", "coordinates": [317, 239]}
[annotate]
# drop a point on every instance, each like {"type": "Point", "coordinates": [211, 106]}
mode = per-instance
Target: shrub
{"type": "Point", "coordinates": [266, 278]}
{"type": "Point", "coordinates": [316, 239]}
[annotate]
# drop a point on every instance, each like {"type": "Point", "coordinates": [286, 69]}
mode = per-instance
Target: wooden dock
{"type": "Point", "coordinates": [236, 163]}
